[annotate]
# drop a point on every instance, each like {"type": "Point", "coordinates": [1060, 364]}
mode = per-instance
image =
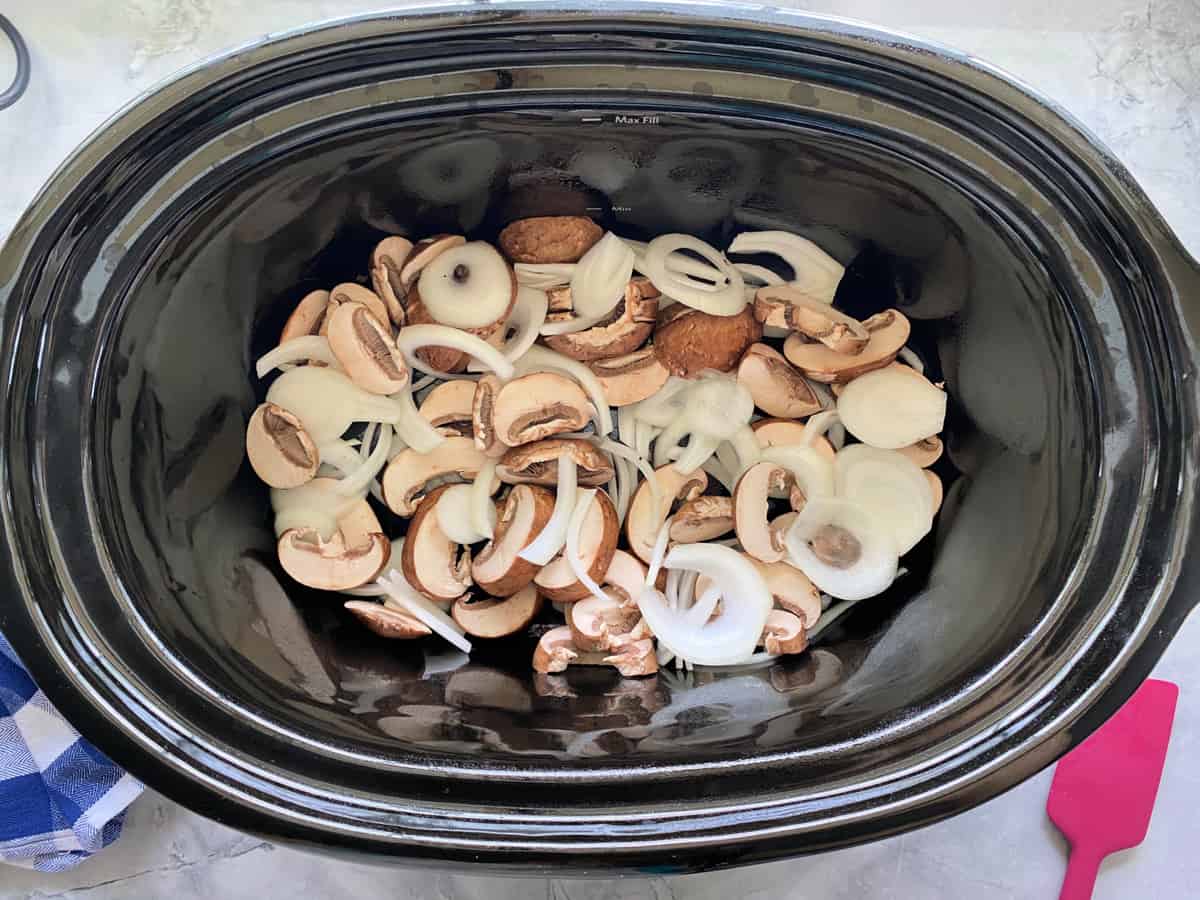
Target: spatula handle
{"type": "Point", "coordinates": [1082, 869]}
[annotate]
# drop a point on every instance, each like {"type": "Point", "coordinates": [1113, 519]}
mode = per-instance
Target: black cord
{"type": "Point", "coordinates": [21, 80]}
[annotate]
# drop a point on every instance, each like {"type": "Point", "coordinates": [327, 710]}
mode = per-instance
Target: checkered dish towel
{"type": "Point", "coordinates": [61, 799]}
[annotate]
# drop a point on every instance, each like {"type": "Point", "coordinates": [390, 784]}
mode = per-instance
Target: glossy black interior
{"type": "Point", "coordinates": [1043, 288]}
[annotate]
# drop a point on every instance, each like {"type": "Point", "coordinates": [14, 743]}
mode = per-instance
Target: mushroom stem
{"type": "Point", "coordinates": [551, 538]}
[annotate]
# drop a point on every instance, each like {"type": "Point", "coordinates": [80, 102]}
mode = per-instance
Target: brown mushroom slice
{"type": "Point", "coordinates": [788, 433]}
{"type": "Point", "coordinates": [492, 617]}
{"type": "Point", "coordinates": [387, 259]}
{"type": "Point", "coordinates": [791, 589]}
{"type": "Point", "coordinates": [537, 463]}
{"type": "Point", "coordinates": [555, 651]}
{"type": "Point", "coordinates": [889, 333]}
{"type": "Point", "coordinates": [483, 416]}
{"type": "Point", "coordinates": [349, 292]}
{"type": "Point", "coordinates": [498, 568]}
{"type": "Point", "coordinates": [387, 622]}
{"type": "Point", "coordinates": [621, 332]}
{"type": "Point", "coordinates": [625, 578]}
{"type": "Point", "coordinates": [536, 406]}
{"type": "Point", "coordinates": [597, 544]}
{"type": "Point", "coordinates": [366, 350]}
{"type": "Point", "coordinates": [935, 488]}
{"type": "Point", "coordinates": [643, 521]}
{"type": "Point", "coordinates": [702, 519]}
{"type": "Point", "coordinates": [422, 254]}
{"type": "Point", "coordinates": [410, 474]}
{"type": "Point", "coordinates": [689, 342]}
{"type": "Point", "coordinates": [449, 407]}
{"type": "Point", "coordinates": [925, 452]}
{"type": "Point", "coordinates": [777, 388]}
{"type": "Point", "coordinates": [750, 498]}
{"type": "Point", "coordinates": [431, 562]}
{"type": "Point", "coordinates": [279, 449]}
{"type": "Point", "coordinates": [812, 318]}
{"type": "Point", "coordinates": [332, 565]}
{"type": "Point", "coordinates": [630, 378]}
{"type": "Point", "coordinates": [783, 632]}
{"type": "Point", "coordinates": [633, 658]}
{"type": "Point", "coordinates": [596, 621]}
{"type": "Point", "coordinates": [549, 239]}
{"type": "Point", "coordinates": [307, 318]}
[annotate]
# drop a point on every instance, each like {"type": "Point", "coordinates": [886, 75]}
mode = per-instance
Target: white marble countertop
{"type": "Point", "coordinates": [1129, 69]}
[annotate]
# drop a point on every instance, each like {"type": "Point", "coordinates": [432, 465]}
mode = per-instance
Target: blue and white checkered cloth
{"type": "Point", "coordinates": [61, 799]}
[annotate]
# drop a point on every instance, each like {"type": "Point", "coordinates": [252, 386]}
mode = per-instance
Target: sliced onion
{"type": "Point", "coordinates": [543, 359]}
{"type": "Point", "coordinates": [747, 448]}
{"type": "Point", "coordinates": [642, 464]}
{"type": "Point", "coordinates": [527, 318]}
{"type": "Point", "coordinates": [598, 283]}
{"type": "Point", "coordinates": [297, 350]}
{"type": "Point", "coordinates": [892, 408]}
{"type": "Point", "coordinates": [368, 437]}
{"type": "Point", "coordinates": [552, 537]}
{"type": "Point", "coordinates": [814, 272]}
{"type": "Point", "coordinates": [713, 468]}
{"type": "Point", "coordinates": [665, 405]}
{"type": "Point", "coordinates": [890, 487]}
{"type": "Point", "coordinates": [717, 406]}
{"type": "Point", "coordinates": [764, 276]}
{"type": "Point", "coordinates": [414, 429]}
{"type": "Point", "coordinates": [627, 426]}
{"type": "Point", "coordinates": [696, 454]}
{"type": "Point", "coordinates": [358, 482]}
{"type": "Point", "coordinates": [483, 510]}
{"type": "Point", "coordinates": [817, 425]}
{"type": "Point", "coordinates": [544, 276]}
{"type": "Point", "coordinates": [659, 552]}
{"type": "Point", "coordinates": [583, 502]}
{"type": "Point", "coordinates": [701, 611]}
{"type": "Point", "coordinates": [914, 361]}
{"type": "Point", "coordinates": [453, 512]}
{"type": "Point", "coordinates": [671, 589]}
{"type": "Point", "coordinates": [721, 299]}
{"type": "Point", "coordinates": [646, 435]}
{"type": "Point", "coordinates": [876, 568]}
{"type": "Point", "coordinates": [341, 455]}
{"type": "Point", "coordinates": [423, 382]}
{"type": "Point", "coordinates": [668, 439]}
{"type": "Point", "coordinates": [406, 599]}
{"type": "Point", "coordinates": [730, 637]}
{"type": "Point", "coordinates": [812, 470]}
{"type": "Point", "coordinates": [412, 338]}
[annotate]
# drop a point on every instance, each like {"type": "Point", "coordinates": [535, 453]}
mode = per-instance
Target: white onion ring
{"type": "Point", "coordinates": [544, 276]}
{"type": "Point", "coordinates": [358, 482]}
{"type": "Point", "coordinates": [412, 338]}
{"type": "Point", "coordinates": [297, 350]}
{"type": "Point", "coordinates": [715, 299]}
{"type": "Point", "coordinates": [814, 272]}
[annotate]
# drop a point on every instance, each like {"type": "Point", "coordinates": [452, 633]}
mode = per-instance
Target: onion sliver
{"type": "Point", "coordinates": [642, 464]}
{"type": "Point", "coordinates": [764, 276]}
{"type": "Point", "coordinates": [297, 350]}
{"type": "Point", "coordinates": [659, 553]}
{"type": "Point", "coordinates": [817, 425]}
{"type": "Point", "coordinates": [875, 568]}
{"type": "Point", "coordinates": [327, 402]}
{"type": "Point", "coordinates": [701, 611]}
{"type": "Point", "coordinates": [891, 487]}
{"type": "Point", "coordinates": [412, 338]}
{"type": "Point", "coordinates": [528, 316]}
{"type": "Point", "coordinates": [543, 359]}
{"type": "Point", "coordinates": [414, 429]}
{"type": "Point", "coordinates": [483, 510]}
{"type": "Point", "coordinates": [572, 325]}
{"type": "Point", "coordinates": [544, 276]}
{"type": "Point", "coordinates": [552, 537]}
{"type": "Point", "coordinates": [598, 283]}
{"type": "Point", "coordinates": [726, 299]}
{"type": "Point", "coordinates": [892, 408]}
{"type": "Point", "coordinates": [713, 468]}
{"type": "Point", "coordinates": [812, 470]}
{"type": "Point", "coordinates": [733, 635]}
{"type": "Point", "coordinates": [815, 273]}
{"type": "Point", "coordinates": [583, 502]}
{"type": "Point", "coordinates": [406, 598]}
{"type": "Point", "coordinates": [909, 356]}
{"type": "Point", "coordinates": [358, 482]}
{"type": "Point", "coordinates": [696, 454]}
{"type": "Point", "coordinates": [746, 448]}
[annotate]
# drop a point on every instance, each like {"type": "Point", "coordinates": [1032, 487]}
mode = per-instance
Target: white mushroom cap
{"type": "Point", "coordinates": [349, 292]}
{"type": "Point", "coordinates": [537, 463]}
{"type": "Point", "coordinates": [702, 519]}
{"type": "Point", "coordinates": [750, 500]}
{"type": "Point", "coordinates": [387, 259]}
{"type": "Point", "coordinates": [630, 378]}
{"type": "Point", "coordinates": [385, 621]}
{"type": "Point", "coordinates": [784, 633]}
{"type": "Point", "coordinates": [307, 318]}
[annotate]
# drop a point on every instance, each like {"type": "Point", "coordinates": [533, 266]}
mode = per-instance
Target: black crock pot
{"type": "Point", "coordinates": [159, 261]}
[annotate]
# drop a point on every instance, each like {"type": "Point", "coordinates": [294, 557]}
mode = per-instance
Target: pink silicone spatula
{"type": "Point", "coordinates": [1103, 790]}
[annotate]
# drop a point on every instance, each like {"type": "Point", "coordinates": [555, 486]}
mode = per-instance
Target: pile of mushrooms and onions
{"type": "Point", "coordinates": [636, 453]}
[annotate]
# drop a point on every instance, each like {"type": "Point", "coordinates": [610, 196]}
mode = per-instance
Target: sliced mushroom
{"type": "Point", "coordinates": [924, 453]}
{"type": "Point", "coordinates": [935, 488]}
{"type": "Point", "coordinates": [365, 349]}
{"type": "Point", "coordinates": [387, 259]}
{"type": "Point", "coordinates": [410, 474]}
{"type": "Point", "coordinates": [750, 499]}
{"type": "Point", "coordinates": [555, 651]}
{"type": "Point", "coordinates": [498, 568]}
{"type": "Point", "coordinates": [536, 406]}
{"type": "Point", "coordinates": [889, 333]}
{"type": "Point", "coordinates": [349, 292]}
{"type": "Point", "coordinates": [446, 359]}
{"type": "Point", "coordinates": [788, 433]}
{"type": "Point", "coordinates": [279, 449]}
{"type": "Point", "coordinates": [630, 378]}
{"type": "Point", "coordinates": [424, 252]}
{"type": "Point", "coordinates": [702, 519]}
{"type": "Point", "coordinates": [597, 544]}
{"type": "Point", "coordinates": [634, 658]}
{"type": "Point", "coordinates": [332, 565]}
{"type": "Point", "coordinates": [777, 388]}
{"type": "Point", "coordinates": [483, 416]}
{"type": "Point", "coordinates": [596, 621]}
{"type": "Point", "coordinates": [784, 305]}
{"type": "Point", "coordinates": [625, 577]}
{"type": "Point", "coordinates": [431, 562]}
{"type": "Point", "coordinates": [549, 239]}
{"type": "Point", "coordinates": [307, 318]}
{"type": "Point", "coordinates": [449, 407]}
{"type": "Point", "coordinates": [791, 589]}
{"type": "Point", "coordinates": [624, 330]}
{"type": "Point", "coordinates": [538, 463]}
{"type": "Point", "coordinates": [387, 622]}
{"type": "Point", "coordinates": [689, 342]}
{"type": "Point", "coordinates": [783, 633]}
{"type": "Point", "coordinates": [643, 521]}
{"type": "Point", "coordinates": [491, 617]}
